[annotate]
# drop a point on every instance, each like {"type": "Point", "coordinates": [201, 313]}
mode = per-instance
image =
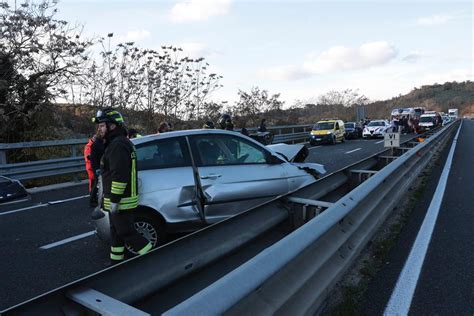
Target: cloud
{"type": "Point", "coordinates": [335, 59]}
{"type": "Point", "coordinates": [414, 56]}
{"type": "Point", "coordinates": [459, 75]}
{"type": "Point", "coordinates": [284, 73]}
{"type": "Point", "coordinates": [196, 50]}
{"type": "Point", "coordinates": [435, 19]}
{"type": "Point", "coordinates": [134, 36]}
{"type": "Point", "coordinates": [198, 10]}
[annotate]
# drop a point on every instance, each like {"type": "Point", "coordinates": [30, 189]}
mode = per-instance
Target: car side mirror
{"type": "Point", "coordinates": [273, 160]}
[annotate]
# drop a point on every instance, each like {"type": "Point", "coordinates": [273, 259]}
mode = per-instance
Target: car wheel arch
{"type": "Point", "coordinates": [155, 218]}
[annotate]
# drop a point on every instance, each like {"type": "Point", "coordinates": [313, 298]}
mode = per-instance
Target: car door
{"type": "Point", "coordinates": [235, 174]}
{"type": "Point", "coordinates": [165, 178]}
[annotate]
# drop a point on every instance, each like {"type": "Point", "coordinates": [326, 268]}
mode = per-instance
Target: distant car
{"type": "Point", "coordinates": [352, 130]}
{"type": "Point", "coordinates": [446, 120]}
{"type": "Point", "coordinates": [376, 128]}
{"type": "Point", "coordinates": [429, 120]}
{"type": "Point", "coordinates": [327, 131]}
{"type": "Point", "coordinates": [231, 174]}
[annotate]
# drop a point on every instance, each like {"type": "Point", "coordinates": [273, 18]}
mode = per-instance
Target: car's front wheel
{"type": "Point", "coordinates": [151, 227]}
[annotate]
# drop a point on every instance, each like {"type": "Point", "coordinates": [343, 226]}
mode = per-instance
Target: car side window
{"type": "Point", "coordinates": [213, 150]}
{"type": "Point", "coordinates": [337, 126]}
{"type": "Point", "coordinates": [166, 153]}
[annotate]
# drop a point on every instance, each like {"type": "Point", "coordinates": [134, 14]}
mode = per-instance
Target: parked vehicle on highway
{"type": "Point", "coordinates": [446, 119]}
{"type": "Point", "coordinates": [453, 114]}
{"type": "Point", "coordinates": [429, 120]}
{"type": "Point", "coordinates": [11, 190]}
{"type": "Point", "coordinates": [352, 130]}
{"type": "Point", "coordinates": [327, 131]}
{"type": "Point", "coordinates": [189, 179]}
{"type": "Point", "coordinates": [376, 128]}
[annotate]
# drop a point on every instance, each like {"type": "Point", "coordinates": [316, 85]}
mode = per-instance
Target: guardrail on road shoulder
{"type": "Point", "coordinates": [295, 275]}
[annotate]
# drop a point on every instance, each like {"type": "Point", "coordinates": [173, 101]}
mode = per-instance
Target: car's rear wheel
{"type": "Point", "coordinates": [151, 227]}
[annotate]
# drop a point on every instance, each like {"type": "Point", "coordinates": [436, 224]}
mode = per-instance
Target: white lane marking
{"type": "Point", "coordinates": [381, 141]}
{"type": "Point", "coordinates": [348, 152]}
{"type": "Point", "coordinates": [13, 202]}
{"type": "Point", "coordinates": [67, 200]}
{"type": "Point", "coordinates": [67, 240]}
{"type": "Point", "coordinates": [43, 205]}
{"type": "Point", "coordinates": [314, 147]}
{"type": "Point", "coordinates": [402, 296]}
{"type": "Point", "coordinates": [23, 209]}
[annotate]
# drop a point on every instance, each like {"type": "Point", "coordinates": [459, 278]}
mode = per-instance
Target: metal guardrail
{"type": "Point", "coordinates": [75, 163]}
{"type": "Point", "coordinates": [295, 275]}
{"type": "Point", "coordinates": [292, 277]}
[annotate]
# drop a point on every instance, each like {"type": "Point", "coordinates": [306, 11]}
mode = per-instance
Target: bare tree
{"type": "Point", "coordinates": [347, 97]}
{"type": "Point", "coordinates": [40, 56]}
{"type": "Point", "coordinates": [255, 103]}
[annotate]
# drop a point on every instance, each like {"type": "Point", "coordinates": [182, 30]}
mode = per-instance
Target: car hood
{"type": "Point", "coordinates": [375, 128]}
{"type": "Point", "coordinates": [292, 153]}
{"type": "Point", "coordinates": [296, 155]}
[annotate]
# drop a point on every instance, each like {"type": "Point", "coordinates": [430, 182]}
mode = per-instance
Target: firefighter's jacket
{"type": "Point", "coordinates": [119, 171]}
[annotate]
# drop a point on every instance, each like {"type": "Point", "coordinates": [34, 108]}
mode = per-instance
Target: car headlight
{"type": "Point", "coordinates": [329, 132]}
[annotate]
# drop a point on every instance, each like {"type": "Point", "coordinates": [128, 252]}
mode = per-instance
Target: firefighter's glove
{"type": "Point", "coordinates": [114, 208]}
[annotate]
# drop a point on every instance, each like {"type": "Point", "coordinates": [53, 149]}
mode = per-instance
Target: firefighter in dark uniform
{"type": "Point", "coordinates": [119, 177]}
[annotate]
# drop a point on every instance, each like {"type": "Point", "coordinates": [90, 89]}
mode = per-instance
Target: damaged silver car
{"type": "Point", "coordinates": [189, 179]}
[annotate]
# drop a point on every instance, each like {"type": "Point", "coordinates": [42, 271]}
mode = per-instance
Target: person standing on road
{"type": "Point", "coordinates": [119, 178]}
{"type": "Point", "coordinates": [263, 127]}
{"type": "Point", "coordinates": [93, 152]}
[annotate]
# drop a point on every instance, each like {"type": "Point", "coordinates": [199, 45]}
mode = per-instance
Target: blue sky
{"type": "Point", "coordinates": [300, 49]}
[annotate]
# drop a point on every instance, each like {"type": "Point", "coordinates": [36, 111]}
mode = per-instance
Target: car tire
{"type": "Point", "coordinates": [343, 139]}
{"type": "Point", "coordinates": [333, 140]}
{"type": "Point", "coordinates": [150, 226]}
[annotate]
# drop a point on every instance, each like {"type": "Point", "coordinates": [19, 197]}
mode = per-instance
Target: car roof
{"type": "Point", "coordinates": [329, 121]}
{"type": "Point", "coordinates": [147, 138]}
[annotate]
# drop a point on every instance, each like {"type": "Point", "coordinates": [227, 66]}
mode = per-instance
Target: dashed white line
{"type": "Point", "coordinates": [67, 200]}
{"type": "Point", "coordinates": [314, 147]}
{"type": "Point", "coordinates": [23, 209]}
{"type": "Point", "coordinates": [402, 296]}
{"type": "Point", "coordinates": [380, 141]}
{"type": "Point", "coordinates": [67, 240]}
{"type": "Point", "coordinates": [43, 205]}
{"type": "Point", "coordinates": [351, 151]}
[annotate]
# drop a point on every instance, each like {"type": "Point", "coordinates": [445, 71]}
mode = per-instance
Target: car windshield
{"type": "Point", "coordinates": [323, 126]}
{"type": "Point", "coordinates": [349, 125]}
{"type": "Point", "coordinates": [376, 123]}
{"type": "Point", "coordinates": [426, 119]}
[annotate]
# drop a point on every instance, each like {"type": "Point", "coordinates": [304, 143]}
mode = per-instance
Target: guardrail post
{"type": "Point", "coordinates": [3, 157]}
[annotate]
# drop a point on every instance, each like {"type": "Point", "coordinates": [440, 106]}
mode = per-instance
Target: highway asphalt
{"type": "Point", "coordinates": [37, 250]}
{"type": "Point", "coordinates": [445, 284]}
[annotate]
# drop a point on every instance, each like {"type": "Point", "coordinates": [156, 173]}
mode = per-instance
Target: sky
{"type": "Point", "coordinates": [300, 49]}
